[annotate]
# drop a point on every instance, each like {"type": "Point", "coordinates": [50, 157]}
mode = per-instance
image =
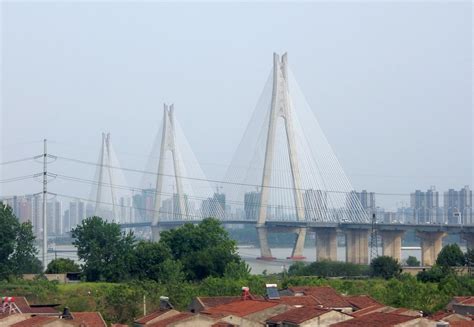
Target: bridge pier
{"type": "Point", "coordinates": [326, 244]}
{"type": "Point", "coordinates": [265, 251]}
{"type": "Point", "coordinates": [392, 243]}
{"type": "Point", "coordinates": [298, 247]}
{"type": "Point", "coordinates": [431, 245]}
{"type": "Point", "coordinates": [357, 246]}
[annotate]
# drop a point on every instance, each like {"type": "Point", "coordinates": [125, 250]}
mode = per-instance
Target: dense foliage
{"type": "Point", "coordinates": [191, 252]}
{"type": "Point", "coordinates": [17, 250]}
{"type": "Point", "coordinates": [328, 268]}
{"type": "Point", "coordinates": [105, 250]}
{"type": "Point", "coordinates": [451, 256]}
{"type": "Point", "coordinates": [204, 250]}
{"type": "Point", "coordinates": [385, 267]}
{"type": "Point", "coordinates": [412, 262]}
{"type": "Point", "coordinates": [62, 266]}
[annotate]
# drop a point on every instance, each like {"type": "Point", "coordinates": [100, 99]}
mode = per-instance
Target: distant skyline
{"type": "Point", "coordinates": [390, 83]}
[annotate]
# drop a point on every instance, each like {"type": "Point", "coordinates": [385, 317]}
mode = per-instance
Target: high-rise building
{"type": "Point", "coordinates": [367, 200]}
{"type": "Point", "coordinates": [143, 204]}
{"type": "Point", "coordinates": [170, 209]}
{"type": "Point", "coordinates": [425, 206]}
{"type": "Point", "coordinates": [458, 206]}
{"type": "Point", "coordinates": [213, 207]}
{"type": "Point", "coordinates": [252, 205]}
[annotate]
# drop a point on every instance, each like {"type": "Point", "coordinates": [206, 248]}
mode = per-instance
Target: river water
{"type": "Point", "coordinates": [250, 254]}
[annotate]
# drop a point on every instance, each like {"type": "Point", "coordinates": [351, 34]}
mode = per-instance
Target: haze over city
{"type": "Point", "coordinates": [389, 83]}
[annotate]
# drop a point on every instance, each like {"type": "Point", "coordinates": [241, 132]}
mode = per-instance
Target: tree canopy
{"type": "Point", "coordinates": [17, 246]}
{"type": "Point", "coordinates": [62, 266]}
{"type": "Point", "coordinates": [106, 251]}
{"type": "Point", "coordinates": [204, 249]}
{"type": "Point", "coordinates": [450, 256]}
{"type": "Point", "coordinates": [385, 267]}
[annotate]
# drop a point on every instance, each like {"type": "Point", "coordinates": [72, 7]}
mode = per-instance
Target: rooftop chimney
{"type": "Point", "coordinates": [66, 314]}
{"type": "Point", "coordinates": [165, 303]}
{"type": "Point", "coordinates": [246, 293]}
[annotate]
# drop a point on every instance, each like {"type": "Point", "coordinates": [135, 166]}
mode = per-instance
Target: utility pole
{"type": "Point", "coordinates": [45, 193]}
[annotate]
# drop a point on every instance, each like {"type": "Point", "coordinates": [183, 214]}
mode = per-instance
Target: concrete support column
{"type": "Point", "coordinates": [469, 237]}
{"type": "Point", "coordinates": [265, 251]}
{"type": "Point", "coordinates": [297, 253]}
{"type": "Point", "coordinates": [155, 233]}
{"type": "Point", "coordinates": [357, 246]}
{"type": "Point", "coordinates": [431, 245]}
{"type": "Point", "coordinates": [392, 243]}
{"type": "Point", "coordinates": [326, 244]}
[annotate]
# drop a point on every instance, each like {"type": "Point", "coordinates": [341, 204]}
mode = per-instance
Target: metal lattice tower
{"type": "Point", "coordinates": [374, 246]}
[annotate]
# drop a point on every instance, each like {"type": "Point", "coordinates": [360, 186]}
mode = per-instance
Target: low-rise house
{"type": "Point", "coordinates": [307, 317]}
{"type": "Point", "coordinates": [383, 319]}
{"type": "Point", "coordinates": [326, 296]}
{"type": "Point", "coordinates": [463, 305]}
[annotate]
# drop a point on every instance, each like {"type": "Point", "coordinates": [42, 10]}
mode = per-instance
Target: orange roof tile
{"type": "Point", "coordinates": [149, 317]}
{"type": "Point", "coordinates": [89, 319]}
{"type": "Point", "coordinates": [461, 323]}
{"type": "Point", "coordinates": [35, 321]}
{"type": "Point", "coordinates": [213, 301]}
{"type": "Point", "coordinates": [361, 301]}
{"type": "Point", "coordinates": [361, 312]}
{"type": "Point", "coordinates": [376, 319]}
{"type": "Point", "coordinates": [298, 315]}
{"type": "Point", "coordinates": [305, 300]}
{"type": "Point", "coordinates": [325, 295]}
{"type": "Point", "coordinates": [241, 308]}
{"type": "Point", "coordinates": [170, 320]}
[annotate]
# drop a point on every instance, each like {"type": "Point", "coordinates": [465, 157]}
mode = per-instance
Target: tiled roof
{"type": "Point", "coordinates": [223, 324]}
{"type": "Point", "coordinates": [89, 319]}
{"type": "Point", "coordinates": [325, 295]}
{"type": "Point", "coordinates": [213, 301]}
{"type": "Point", "coordinates": [374, 308]}
{"type": "Point", "coordinates": [170, 320]}
{"type": "Point", "coordinates": [241, 308]}
{"type": "Point", "coordinates": [305, 300]}
{"type": "Point", "coordinates": [376, 319]}
{"type": "Point", "coordinates": [25, 307]}
{"type": "Point", "coordinates": [149, 317]}
{"type": "Point", "coordinates": [461, 323]}
{"type": "Point", "coordinates": [466, 300]}
{"type": "Point", "coordinates": [35, 321]}
{"type": "Point", "coordinates": [298, 315]}
{"type": "Point", "coordinates": [361, 301]}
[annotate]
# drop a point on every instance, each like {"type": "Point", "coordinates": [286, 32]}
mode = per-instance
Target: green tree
{"type": "Point", "coordinates": [62, 266]}
{"type": "Point", "coordinates": [384, 266]}
{"type": "Point", "coordinates": [17, 249]}
{"type": "Point", "coordinates": [204, 250]}
{"type": "Point", "coordinates": [106, 251]}
{"type": "Point", "coordinates": [413, 262]}
{"type": "Point", "coordinates": [148, 260]}
{"type": "Point", "coordinates": [450, 256]}
{"type": "Point", "coordinates": [433, 275]}
{"type": "Point", "coordinates": [469, 257]}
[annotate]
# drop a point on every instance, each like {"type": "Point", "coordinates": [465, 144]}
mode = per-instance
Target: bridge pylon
{"type": "Point", "coordinates": [280, 108]}
{"type": "Point", "coordinates": [168, 143]}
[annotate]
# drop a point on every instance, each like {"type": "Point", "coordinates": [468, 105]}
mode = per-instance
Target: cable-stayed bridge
{"type": "Point", "coordinates": [284, 177]}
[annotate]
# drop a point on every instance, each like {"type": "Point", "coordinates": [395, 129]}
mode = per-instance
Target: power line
{"type": "Point", "coordinates": [18, 160]}
{"type": "Point", "coordinates": [210, 180]}
{"type": "Point", "coordinates": [19, 178]}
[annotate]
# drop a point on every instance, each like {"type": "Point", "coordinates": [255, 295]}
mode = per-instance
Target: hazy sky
{"type": "Point", "coordinates": [391, 83]}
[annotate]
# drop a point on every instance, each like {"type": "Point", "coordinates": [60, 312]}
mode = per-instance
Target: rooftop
{"type": "Point", "coordinates": [376, 319]}
{"type": "Point", "coordinates": [298, 315]}
{"type": "Point", "coordinates": [241, 308]}
{"type": "Point", "coordinates": [325, 295]}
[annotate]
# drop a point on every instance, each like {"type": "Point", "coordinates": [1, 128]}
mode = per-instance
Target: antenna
{"type": "Point", "coordinates": [374, 246]}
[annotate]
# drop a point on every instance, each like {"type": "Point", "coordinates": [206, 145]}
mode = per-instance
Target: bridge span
{"type": "Point", "coordinates": [357, 236]}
